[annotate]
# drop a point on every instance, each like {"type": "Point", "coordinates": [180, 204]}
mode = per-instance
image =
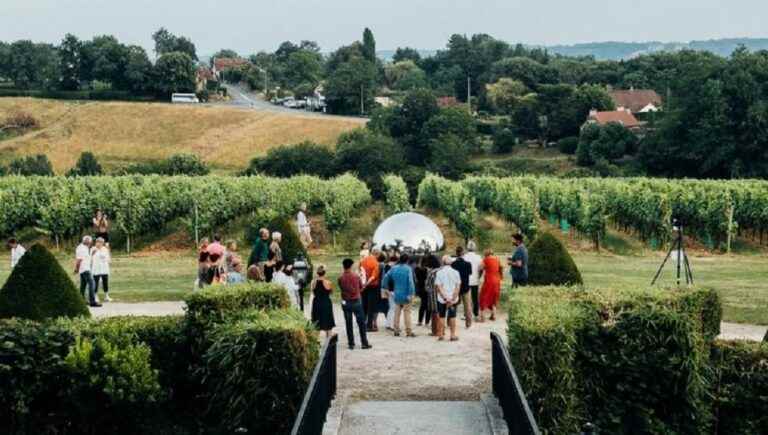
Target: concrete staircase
{"type": "Point", "coordinates": [483, 417]}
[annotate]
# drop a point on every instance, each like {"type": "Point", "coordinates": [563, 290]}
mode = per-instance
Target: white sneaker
{"type": "Point", "coordinates": [107, 298]}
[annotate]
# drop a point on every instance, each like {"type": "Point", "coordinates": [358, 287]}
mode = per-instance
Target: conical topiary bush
{"type": "Point", "coordinates": [39, 289]}
{"type": "Point", "coordinates": [549, 263]}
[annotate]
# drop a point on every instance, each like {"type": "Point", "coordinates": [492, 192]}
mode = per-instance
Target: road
{"type": "Point", "coordinates": [243, 98]}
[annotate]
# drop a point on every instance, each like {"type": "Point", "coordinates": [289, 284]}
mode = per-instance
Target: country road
{"type": "Point", "coordinates": [245, 99]}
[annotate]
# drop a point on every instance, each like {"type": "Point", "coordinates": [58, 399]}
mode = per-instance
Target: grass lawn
{"type": "Point", "coordinates": [740, 280]}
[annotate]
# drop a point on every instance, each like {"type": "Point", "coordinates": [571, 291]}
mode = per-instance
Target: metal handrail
{"type": "Point", "coordinates": [320, 393]}
{"type": "Point", "coordinates": [509, 392]}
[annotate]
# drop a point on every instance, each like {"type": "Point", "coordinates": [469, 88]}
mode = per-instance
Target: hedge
{"type": "Point", "coordinates": [258, 369]}
{"type": "Point", "coordinates": [128, 375]}
{"type": "Point", "coordinates": [740, 387]}
{"type": "Point", "coordinates": [629, 360]}
{"type": "Point", "coordinates": [103, 95]}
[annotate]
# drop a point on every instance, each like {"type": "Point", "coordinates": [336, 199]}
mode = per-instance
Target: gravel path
{"type": "Point", "coordinates": [112, 309]}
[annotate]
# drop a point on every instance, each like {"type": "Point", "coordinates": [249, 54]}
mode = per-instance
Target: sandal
{"type": "Point", "coordinates": [440, 338]}
{"type": "Point", "coordinates": [454, 338]}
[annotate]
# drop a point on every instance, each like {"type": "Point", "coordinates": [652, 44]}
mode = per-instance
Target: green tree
{"type": "Point", "coordinates": [528, 71]}
{"type": "Point", "coordinates": [138, 70]}
{"type": "Point", "coordinates": [352, 86]}
{"type": "Point", "coordinates": [589, 135]}
{"type": "Point", "coordinates": [369, 46]}
{"type": "Point", "coordinates": [166, 42]}
{"type": "Point", "coordinates": [449, 156]}
{"type": "Point", "coordinates": [406, 123]}
{"type": "Point", "coordinates": [31, 165]}
{"type": "Point", "coordinates": [225, 53]}
{"type": "Point", "coordinates": [406, 53]}
{"type": "Point", "coordinates": [505, 94]}
{"type": "Point", "coordinates": [370, 156]}
{"type": "Point", "coordinates": [87, 164]}
{"type": "Point", "coordinates": [175, 72]}
{"type": "Point", "coordinates": [303, 66]}
{"type": "Point", "coordinates": [70, 52]}
{"type": "Point", "coordinates": [288, 160]}
{"type": "Point", "coordinates": [33, 65]}
{"type": "Point", "coordinates": [105, 59]}
{"type": "Point", "coordinates": [454, 121]}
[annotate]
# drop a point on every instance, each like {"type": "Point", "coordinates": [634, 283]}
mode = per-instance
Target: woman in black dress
{"type": "Point", "coordinates": [322, 308]}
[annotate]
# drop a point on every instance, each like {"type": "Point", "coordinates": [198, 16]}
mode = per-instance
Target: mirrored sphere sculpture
{"type": "Point", "coordinates": [409, 232]}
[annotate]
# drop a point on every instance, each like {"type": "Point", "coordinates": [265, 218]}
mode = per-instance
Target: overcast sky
{"type": "Point", "coordinates": [252, 25]}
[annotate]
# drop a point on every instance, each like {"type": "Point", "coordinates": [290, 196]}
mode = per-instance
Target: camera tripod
{"type": "Point", "coordinates": [682, 265]}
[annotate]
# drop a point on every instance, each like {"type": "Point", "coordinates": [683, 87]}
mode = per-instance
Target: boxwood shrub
{"type": "Point", "coordinates": [740, 387]}
{"type": "Point", "coordinates": [628, 360]}
{"type": "Point", "coordinates": [258, 368]}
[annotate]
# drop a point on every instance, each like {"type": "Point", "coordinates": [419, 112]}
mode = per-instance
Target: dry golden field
{"type": "Point", "coordinates": [123, 133]}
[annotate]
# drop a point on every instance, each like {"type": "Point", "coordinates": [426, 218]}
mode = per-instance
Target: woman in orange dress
{"type": "Point", "coordinates": [491, 291]}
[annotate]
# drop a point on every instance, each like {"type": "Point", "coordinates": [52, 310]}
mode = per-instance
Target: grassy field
{"type": "Point", "coordinates": [740, 280]}
{"type": "Point", "coordinates": [124, 133]}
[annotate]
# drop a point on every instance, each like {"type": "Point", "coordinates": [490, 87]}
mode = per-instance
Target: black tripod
{"type": "Point", "coordinates": [682, 257]}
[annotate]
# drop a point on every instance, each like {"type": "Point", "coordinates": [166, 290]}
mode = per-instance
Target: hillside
{"type": "Point", "coordinates": [124, 133]}
{"type": "Point", "coordinates": [627, 50]}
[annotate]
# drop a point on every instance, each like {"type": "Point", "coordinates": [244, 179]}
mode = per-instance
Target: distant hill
{"type": "Point", "coordinates": [386, 55]}
{"type": "Point", "coordinates": [628, 50]}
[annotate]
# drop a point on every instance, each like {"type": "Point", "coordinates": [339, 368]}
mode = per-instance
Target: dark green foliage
{"type": "Point", "coordinates": [550, 263]}
{"type": "Point", "coordinates": [449, 156]}
{"type": "Point", "coordinates": [258, 368]}
{"type": "Point", "coordinates": [370, 156]}
{"type": "Point", "coordinates": [504, 140]}
{"type": "Point", "coordinates": [630, 361]}
{"type": "Point", "coordinates": [456, 121]}
{"type": "Point", "coordinates": [39, 288]}
{"type": "Point", "coordinates": [213, 305]}
{"type": "Point", "coordinates": [306, 158]}
{"type": "Point", "coordinates": [31, 165]}
{"type": "Point", "coordinates": [740, 387]}
{"type": "Point", "coordinates": [177, 164]}
{"type": "Point", "coordinates": [86, 165]}
{"type": "Point", "coordinates": [568, 145]}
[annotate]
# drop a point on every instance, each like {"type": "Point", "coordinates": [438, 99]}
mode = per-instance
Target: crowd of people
{"type": "Point", "coordinates": [386, 283]}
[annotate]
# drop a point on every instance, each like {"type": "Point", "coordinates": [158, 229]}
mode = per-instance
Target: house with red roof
{"type": "Point", "coordinates": [623, 117]}
{"type": "Point", "coordinates": [221, 64]}
{"type": "Point", "coordinates": [637, 100]}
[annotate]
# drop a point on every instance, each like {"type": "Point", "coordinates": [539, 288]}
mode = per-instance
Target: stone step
{"type": "Point", "coordinates": [401, 417]}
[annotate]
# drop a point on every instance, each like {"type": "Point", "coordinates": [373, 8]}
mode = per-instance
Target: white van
{"type": "Point", "coordinates": [184, 99]}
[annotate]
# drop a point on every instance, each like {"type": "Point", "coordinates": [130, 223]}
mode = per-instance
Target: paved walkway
{"type": "Point", "coordinates": [423, 418]}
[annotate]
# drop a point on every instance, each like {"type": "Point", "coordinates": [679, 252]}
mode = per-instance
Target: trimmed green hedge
{"type": "Point", "coordinates": [740, 387]}
{"type": "Point", "coordinates": [258, 369]}
{"type": "Point", "coordinates": [550, 263]}
{"type": "Point", "coordinates": [630, 361]}
{"type": "Point", "coordinates": [77, 95]}
{"type": "Point", "coordinates": [174, 375]}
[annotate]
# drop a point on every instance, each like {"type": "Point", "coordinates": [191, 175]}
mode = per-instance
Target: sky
{"type": "Point", "coordinates": [248, 26]}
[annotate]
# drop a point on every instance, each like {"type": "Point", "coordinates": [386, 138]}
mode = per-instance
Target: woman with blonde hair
{"type": "Point", "coordinates": [491, 291]}
{"type": "Point", "coordinates": [322, 308]}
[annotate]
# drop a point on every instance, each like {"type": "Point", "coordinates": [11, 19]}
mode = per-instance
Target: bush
{"type": "Point", "coordinates": [258, 368]}
{"type": "Point", "coordinates": [286, 161]}
{"type": "Point", "coordinates": [396, 195]}
{"type": "Point", "coordinates": [568, 145]}
{"type": "Point", "coordinates": [504, 140]}
{"type": "Point", "coordinates": [31, 165]}
{"type": "Point", "coordinates": [39, 289]}
{"type": "Point", "coordinates": [740, 387]}
{"type": "Point", "coordinates": [214, 304]}
{"type": "Point", "coordinates": [19, 121]}
{"type": "Point", "coordinates": [550, 263]}
{"type": "Point", "coordinates": [449, 157]}
{"type": "Point", "coordinates": [630, 361]}
{"type": "Point", "coordinates": [177, 164]}
{"type": "Point", "coordinates": [369, 155]}
{"type": "Point", "coordinates": [86, 165]}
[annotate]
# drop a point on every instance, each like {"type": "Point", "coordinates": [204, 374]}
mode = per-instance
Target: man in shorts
{"type": "Point", "coordinates": [447, 285]}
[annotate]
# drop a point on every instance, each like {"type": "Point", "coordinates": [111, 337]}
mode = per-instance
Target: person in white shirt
{"type": "Point", "coordinates": [17, 251]}
{"type": "Point", "coordinates": [476, 261]}
{"type": "Point", "coordinates": [305, 229]}
{"type": "Point", "coordinates": [100, 259]}
{"type": "Point", "coordinates": [280, 277]}
{"type": "Point", "coordinates": [447, 285]}
{"type": "Point", "coordinates": [83, 269]}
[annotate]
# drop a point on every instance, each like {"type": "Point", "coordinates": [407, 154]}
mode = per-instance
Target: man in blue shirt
{"type": "Point", "coordinates": [400, 277]}
{"type": "Point", "coordinates": [519, 262]}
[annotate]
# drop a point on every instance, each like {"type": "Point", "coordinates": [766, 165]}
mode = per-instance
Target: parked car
{"type": "Point", "coordinates": [180, 98]}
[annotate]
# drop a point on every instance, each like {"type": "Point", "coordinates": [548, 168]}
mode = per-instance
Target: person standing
{"type": "Point", "coordinates": [260, 250]}
{"type": "Point", "coordinates": [431, 316]}
{"type": "Point", "coordinates": [17, 251]}
{"type": "Point", "coordinates": [101, 258]}
{"type": "Point", "coordinates": [465, 270]}
{"type": "Point", "coordinates": [491, 291]}
{"type": "Point", "coordinates": [447, 284]}
{"type": "Point", "coordinates": [420, 273]}
{"type": "Point", "coordinates": [281, 278]}
{"type": "Point", "coordinates": [389, 320]}
{"type": "Point", "coordinates": [371, 289]}
{"type": "Point", "coordinates": [519, 262]}
{"type": "Point", "coordinates": [83, 269]}
{"type": "Point", "coordinates": [474, 278]}
{"type": "Point", "coordinates": [304, 227]}
{"type": "Point", "coordinates": [400, 278]}
{"type": "Point", "coordinates": [322, 308]}
{"type": "Point", "coordinates": [101, 226]}
{"type": "Point", "coordinates": [274, 247]}
{"type": "Point", "coordinates": [350, 286]}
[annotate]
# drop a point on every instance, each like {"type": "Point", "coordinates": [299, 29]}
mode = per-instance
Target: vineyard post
{"type": "Point", "coordinates": [730, 228]}
{"type": "Point", "coordinates": [128, 233]}
{"type": "Point", "coordinates": [197, 230]}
